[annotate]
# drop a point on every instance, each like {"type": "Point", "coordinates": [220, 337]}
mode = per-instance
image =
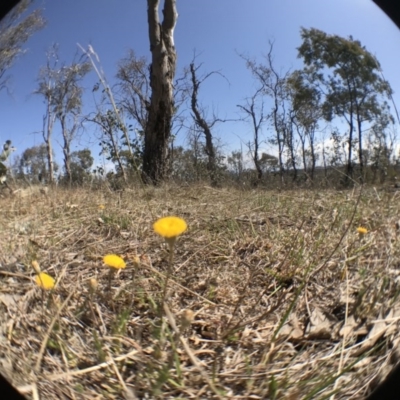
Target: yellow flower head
{"type": "Point", "coordinates": [114, 261]}
{"type": "Point", "coordinates": [170, 227]}
{"type": "Point", "coordinates": [361, 230]}
{"type": "Point", "coordinates": [102, 207]}
{"type": "Point", "coordinates": [45, 281]}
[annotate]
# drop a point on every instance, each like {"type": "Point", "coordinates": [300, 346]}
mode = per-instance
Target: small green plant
{"type": "Point", "coordinates": [101, 355]}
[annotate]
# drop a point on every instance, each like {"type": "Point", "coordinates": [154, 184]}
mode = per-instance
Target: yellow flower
{"type": "Point", "coordinates": [45, 281]}
{"type": "Point", "coordinates": [361, 230]}
{"type": "Point", "coordinates": [170, 227]}
{"type": "Point", "coordinates": [102, 207]}
{"type": "Point", "coordinates": [114, 261]}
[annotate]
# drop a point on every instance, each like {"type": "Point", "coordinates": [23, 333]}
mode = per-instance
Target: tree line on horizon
{"type": "Point", "coordinates": [330, 118]}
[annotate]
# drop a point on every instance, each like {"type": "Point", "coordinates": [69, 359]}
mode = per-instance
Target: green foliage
{"type": "Point", "coordinates": [306, 112]}
{"type": "Point", "coordinates": [59, 85]}
{"type": "Point", "coordinates": [235, 162]}
{"type": "Point", "coordinates": [81, 164]}
{"type": "Point", "coordinates": [190, 164]}
{"type": "Point", "coordinates": [114, 144]}
{"type": "Point", "coordinates": [33, 164]}
{"type": "Point", "coordinates": [14, 33]}
{"type": "Point", "coordinates": [341, 80]}
{"type": "Point", "coordinates": [187, 165]}
{"type": "Point", "coordinates": [349, 76]}
{"type": "Point", "coordinates": [269, 163]}
{"type": "Point", "coordinates": [134, 88]}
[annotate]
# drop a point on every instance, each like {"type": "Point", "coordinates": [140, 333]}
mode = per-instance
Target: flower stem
{"type": "Point", "coordinates": [171, 245]}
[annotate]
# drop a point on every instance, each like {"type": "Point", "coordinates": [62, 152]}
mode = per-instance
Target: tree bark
{"type": "Point", "coordinates": [205, 128]}
{"type": "Point", "coordinates": [250, 110]}
{"type": "Point", "coordinates": [350, 145]}
{"type": "Point", "coordinates": [290, 144]}
{"type": "Point", "coordinates": [48, 124]}
{"type": "Point", "coordinates": [67, 137]}
{"type": "Point", "coordinates": [162, 73]}
{"type": "Point", "coordinates": [313, 155]}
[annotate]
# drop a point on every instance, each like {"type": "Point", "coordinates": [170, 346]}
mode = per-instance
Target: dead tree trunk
{"type": "Point", "coordinates": [48, 124]}
{"type": "Point", "coordinates": [251, 111]}
{"type": "Point", "coordinates": [68, 135]}
{"type": "Point", "coordinates": [205, 127]}
{"type": "Point", "coordinates": [162, 73]}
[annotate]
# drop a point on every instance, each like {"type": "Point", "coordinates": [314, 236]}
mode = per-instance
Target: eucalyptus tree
{"type": "Point", "coordinates": [111, 127]}
{"type": "Point", "coordinates": [15, 30]}
{"type": "Point", "coordinates": [350, 79]}
{"type": "Point", "coordinates": [46, 85]}
{"type": "Point", "coordinates": [272, 84]}
{"type": "Point", "coordinates": [380, 147]}
{"type": "Point", "coordinates": [306, 113]}
{"type": "Point", "coordinates": [81, 163]}
{"type": "Point", "coordinates": [134, 89]}
{"type": "Point", "coordinates": [253, 110]}
{"type": "Point", "coordinates": [202, 123]}
{"type": "Point", "coordinates": [189, 164]}
{"type": "Point", "coordinates": [269, 163]}
{"type": "Point", "coordinates": [157, 134]}
{"type": "Point", "coordinates": [236, 163]}
{"type": "Point", "coordinates": [197, 158]}
{"type": "Point", "coordinates": [133, 94]}
{"type": "Point", "coordinates": [33, 164]}
{"type": "Point", "coordinates": [62, 91]}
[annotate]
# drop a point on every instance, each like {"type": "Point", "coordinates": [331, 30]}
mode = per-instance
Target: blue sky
{"type": "Point", "coordinates": [216, 29]}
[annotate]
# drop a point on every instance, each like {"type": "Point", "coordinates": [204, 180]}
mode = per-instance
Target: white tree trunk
{"type": "Point", "coordinates": [162, 73]}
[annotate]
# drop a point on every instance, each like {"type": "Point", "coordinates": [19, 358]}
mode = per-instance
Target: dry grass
{"type": "Point", "coordinates": [273, 295]}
